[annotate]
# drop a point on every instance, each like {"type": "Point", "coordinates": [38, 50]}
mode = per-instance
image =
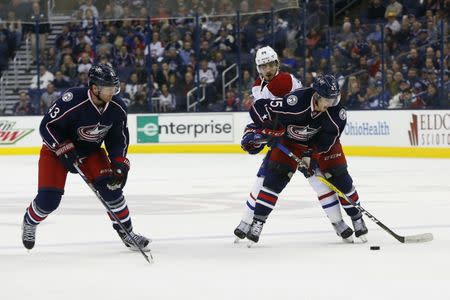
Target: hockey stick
{"type": "Point", "coordinates": [416, 238]}
{"type": "Point", "coordinates": [97, 193]}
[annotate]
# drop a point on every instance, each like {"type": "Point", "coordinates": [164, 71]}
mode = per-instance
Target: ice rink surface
{"type": "Point", "coordinates": [190, 204]}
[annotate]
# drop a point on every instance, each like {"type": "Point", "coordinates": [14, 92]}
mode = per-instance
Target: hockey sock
{"type": "Point", "coordinates": [327, 199]}
{"type": "Point", "coordinates": [249, 209]}
{"type": "Point", "coordinates": [265, 203]}
{"type": "Point", "coordinates": [45, 202]}
{"type": "Point", "coordinates": [330, 205]}
{"type": "Point", "coordinates": [120, 208]}
{"type": "Point", "coordinates": [350, 209]}
{"type": "Point", "coordinates": [34, 215]}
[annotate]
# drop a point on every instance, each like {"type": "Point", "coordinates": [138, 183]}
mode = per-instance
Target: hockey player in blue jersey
{"type": "Point", "coordinates": [312, 120]}
{"type": "Point", "coordinates": [73, 130]}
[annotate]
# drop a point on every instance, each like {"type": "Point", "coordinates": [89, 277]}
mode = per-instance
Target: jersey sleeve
{"type": "Point", "coordinates": [332, 127]}
{"type": "Point", "coordinates": [54, 126]}
{"type": "Point", "coordinates": [118, 137]}
{"type": "Point", "coordinates": [261, 114]}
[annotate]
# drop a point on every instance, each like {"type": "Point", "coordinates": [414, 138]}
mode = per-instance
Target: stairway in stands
{"type": "Point", "coordinates": [20, 70]}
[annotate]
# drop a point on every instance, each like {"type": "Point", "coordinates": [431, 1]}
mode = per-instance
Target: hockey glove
{"type": "Point", "coordinates": [255, 138]}
{"type": "Point", "coordinates": [68, 156]}
{"type": "Point", "coordinates": [309, 163]}
{"type": "Point", "coordinates": [120, 167]}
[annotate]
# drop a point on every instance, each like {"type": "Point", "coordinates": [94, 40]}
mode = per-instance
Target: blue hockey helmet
{"type": "Point", "coordinates": [327, 87]}
{"type": "Point", "coordinates": [103, 75]}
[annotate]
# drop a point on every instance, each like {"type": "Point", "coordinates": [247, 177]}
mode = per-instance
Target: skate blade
{"type": "Point", "coordinates": [348, 240]}
{"type": "Point", "coordinates": [237, 240]}
{"type": "Point", "coordinates": [362, 239]}
{"type": "Point", "coordinates": [251, 244]}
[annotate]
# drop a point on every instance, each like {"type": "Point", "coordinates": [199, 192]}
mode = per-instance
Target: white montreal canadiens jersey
{"type": "Point", "coordinates": [283, 83]}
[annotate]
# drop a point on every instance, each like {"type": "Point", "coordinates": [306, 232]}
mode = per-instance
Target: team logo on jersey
{"type": "Point", "coordinates": [343, 114]}
{"type": "Point", "coordinates": [67, 97]}
{"type": "Point", "coordinates": [301, 133]}
{"type": "Point", "coordinates": [292, 100]}
{"type": "Point", "coordinates": [93, 133]}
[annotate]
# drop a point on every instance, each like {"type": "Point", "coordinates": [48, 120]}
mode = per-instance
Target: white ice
{"type": "Point", "coordinates": [190, 204]}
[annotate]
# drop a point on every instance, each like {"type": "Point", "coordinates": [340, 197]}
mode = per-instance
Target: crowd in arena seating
{"type": "Point", "coordinates": [412, 52]}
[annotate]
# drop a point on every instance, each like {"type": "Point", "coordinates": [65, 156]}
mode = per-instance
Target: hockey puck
{"type": "Point", "coordinates": [374, 247]}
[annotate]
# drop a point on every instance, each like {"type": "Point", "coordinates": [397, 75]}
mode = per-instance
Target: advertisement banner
{"type": "Point", "coordinates": [185, 128]}
{"type": "Point", "coordinates": [19, 131]}
{"type": "Point", "coordinates": [430, 129]}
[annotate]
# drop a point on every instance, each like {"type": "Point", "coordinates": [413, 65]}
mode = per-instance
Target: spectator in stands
{"type": "Point", "coordinates": [23, 106]}
{"type": "Point", "coordinates": [88, 5]}
{"type": "Point", "coordinates": [225, 42]}
{"type": "Point", "coordinates": [355, 98]}
{"type": "Point", "coordinates": [45, 78]}
{"type": "Point", "coordinates": [188, 84]}
{"type": "Point", "coordinates": [430, 97]}
{"type": "Point", "coordinates": [123, 93]}
{"type": "Point", "coordinates": [124, 58]}
{"type": "Point", "coordinates": [156, 47]}
{"type": "Point", "coordinates": [43, 30]}
{"type": "Point", "coordinates": [247, 81]}
{"type": "Point", "coordinates": [65, 38]}
{"type": "Point", "coordinates": [20, 8]}
{"type": "Point", "coordinates": [167, 101]}
{"type": "Point", "coordinates": [84, 63]}
{"type": "Point", "coordinates": [375, 11]}
{"type": "Point", "coordinates": [186, 51]}
{"type": "Point", "coordinates": [392, 23]}
{"type": "Point", "coordinates": [173, 60]}
{"type": "Point", "coordinates": [104, 47]}
{"type": "Point", "coordinates": [83, 80]}
{"type": "Point", "coordinates": [4, 52]}
{"type": "Point", "coordinates": [60, 83]}
{"type": "Point", "coordinates": [69, 68]}
{"type": "Point", "coordinates": [14, 26]}
{"type": "Point", "coordinates": [393, 7]}
{"type": "Point", "coordinates": [48, 98]}
{"type": "Point", "coordinates": [133, 86]}
{"type": "Point", "coordinates": [231, 101]}
{"type": "Point", "coordinates": [139, 105]}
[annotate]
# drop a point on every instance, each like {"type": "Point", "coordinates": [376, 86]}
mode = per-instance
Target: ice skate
{"type": "Point", "coordinates": [360, 229]}
{"type": "Point", "coordinates": [141, 240]}
{"type": "Point", "coordinates": [344, 231]}
{"type": "Point", "coordinates": [241, 231]}
{"type": "Point", "coordinates": [254, 232]}
{"type": "Point", "coordinates": [28, 235]}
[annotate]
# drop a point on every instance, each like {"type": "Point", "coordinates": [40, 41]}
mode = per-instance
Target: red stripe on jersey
{"type": "Point", "coordinates": [281, 84]}
{"type": "Point", "coordinates": [326, 195]}
{"type": "Point", "coordinates": [267, 197]}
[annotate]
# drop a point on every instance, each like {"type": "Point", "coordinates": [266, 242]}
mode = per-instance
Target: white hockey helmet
{"type": "Point", "coordinates": [265, 55]}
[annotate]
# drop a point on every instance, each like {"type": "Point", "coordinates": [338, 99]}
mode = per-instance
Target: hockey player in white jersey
{"type": "Point", "coordinates": [274, 84]}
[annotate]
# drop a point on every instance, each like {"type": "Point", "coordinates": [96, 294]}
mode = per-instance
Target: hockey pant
{"type": "Point", "coordinates": [52, 180]}
{"type": "Point", "coordinates": [327, 198]}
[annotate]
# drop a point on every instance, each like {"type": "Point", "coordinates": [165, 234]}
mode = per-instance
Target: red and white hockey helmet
{"type": "Point", "coordinates": [265, 55]}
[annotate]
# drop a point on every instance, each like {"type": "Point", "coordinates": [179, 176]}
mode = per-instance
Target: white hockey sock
{"type": "Point", "coordinates": [327, 199]}
{"type": "Point", "coordinates": [249, 209]}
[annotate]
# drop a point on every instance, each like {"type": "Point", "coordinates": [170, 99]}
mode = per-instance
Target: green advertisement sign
{"type": "Point", "coordinates": [147, 129]}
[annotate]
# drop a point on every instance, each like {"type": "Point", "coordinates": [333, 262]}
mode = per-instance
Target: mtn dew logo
{"type": "Point", "coordinates": [147, 129]}
{"type": "Point", "coordinates": [10, 135]}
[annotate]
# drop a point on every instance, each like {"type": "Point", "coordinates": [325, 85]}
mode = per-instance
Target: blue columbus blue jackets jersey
{"type": "Point", "coordinates": [75, 117]}
{"type": "Point", "coordinates": [303, 125]}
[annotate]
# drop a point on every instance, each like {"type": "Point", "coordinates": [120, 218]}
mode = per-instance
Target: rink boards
{"type": "Point", "coordinates": [399, 133]}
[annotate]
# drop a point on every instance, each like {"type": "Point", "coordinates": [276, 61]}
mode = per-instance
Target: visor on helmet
{"type": "Point", "coordinates": [332, 101]}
